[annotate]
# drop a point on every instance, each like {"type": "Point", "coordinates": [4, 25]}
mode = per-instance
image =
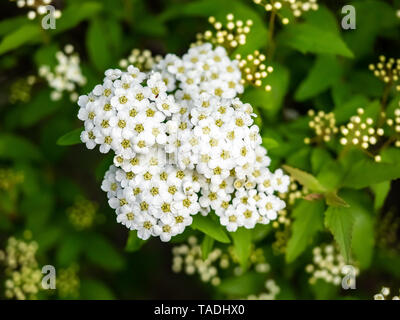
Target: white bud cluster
{"type": "Point", "coordinates": [23, 275]}
{"type": "Point", "coordinates": [384, 295]}
{"type": "Point", "coordinates": [272, 291]}
{"type": "Point", "coordinates": [387, 70]}
{"type": "Point", "coordinates": [37, 8]}
{"type": "Point", "coordinates": [188, 258]}
{"type": "Point", "coordinates": [395, 124]}
{"type": "Point", "coordinates": [323, 124]}
{"type": "Point", "coordinates": [360, 132]}
{"type": "Point", "coordinates": [328, 265]}
{"type": "Point", "coordinates": [142, 60]}
{"type": "Point", "coordinates": [67, 75]}
{"type": "Point", "coordinates": [195, 150]}
{"type": "Point", "coordinates": [298, 7]}
{"type": "Point", "coordinates": [229, 35]}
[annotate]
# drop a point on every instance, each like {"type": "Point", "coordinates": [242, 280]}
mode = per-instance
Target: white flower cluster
{"type": "Point", "coordinates": [184, 144]}
{"type": "Point", "coordinates": [38, 8]}
{"type": "Point", "coordinates": [67, 75]}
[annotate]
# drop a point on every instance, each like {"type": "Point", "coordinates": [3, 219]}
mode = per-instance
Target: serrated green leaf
{"type": "Point", "coordinates": [308, 221]}
{"type": "Point", "coordinates": [333, 200]}
{"type": "Point", "coordinates": [71, 138]}
{"type": "Point", "coordinates": [305, 179]}
{"type": "Point", "coordinates": [210, 228]}
{"type": "Point", "coordinates": [242, 245]}
{"type": "Point", "coordinates": [134, 243]}
{"type": "Point", "coordinates": [340, 222]}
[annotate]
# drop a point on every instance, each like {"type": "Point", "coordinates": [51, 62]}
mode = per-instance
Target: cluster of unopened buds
{"type": "Point", "coordinates": [68, 282]}
{"type": "Point", "coordinates": [323, 124]}
{"type": "Point", "coordinates": [394, 123]}
{"type": "Point", "coordinates": [298, 7]}
{"type": "Point", "coordinates": [37, 8]}
{"type": "Point", "coordinates": [23, 276]}
{"type": "Point", "coordinates": [387, 70]}
{"type": "Point", "coordinates": [82, 214]}
{"type": "Point", "coordinates": [384, 295]}
{"type": "Point", "coordinates": [229, 35]}
{"type": "Point", "coordinates": [189, 259]}
{"type": "Point", "coordinates": [183, 143]}
{"type": "Point", "coordinates": [20, 90]}
{"type": "Point", "coordinates": [67, 75]}
{"type": "Point", "coordinates": [329, 265]}
{"type": "Point", "coordinates": [272, 291]}
{"type": "Point", "coordinates": [141, 59]}
{"type": "Point", "coordinates": [254, 70]}
{"type": "Point", "coordinates": [361, 132]}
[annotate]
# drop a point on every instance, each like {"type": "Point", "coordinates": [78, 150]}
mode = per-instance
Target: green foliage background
{"type": "Point", "coordinates": [317, 65]}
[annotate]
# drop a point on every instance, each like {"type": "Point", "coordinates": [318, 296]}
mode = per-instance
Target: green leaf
{"type": "Point", "coordinates": [9, 25]}
{"type": "Point", "coordinates": [69, 250]}
{"type": "Point", "coordinates": [100, 252]}
{"type": "Point", "coordinates": [367, 172]}
{"type": "Point", "coordinates": [308, 221]}
{"type": "Point", "coordinates": [95, 290]}
{"type": "Point", "coordinates": [26, 33]}
{"type": "Point", "coordinates": [333, 200]}
{"type": "Point", "coordinates": [270, 101]}
{"type": "Point", "coordinates": [305, 179]}
{"type": "Point", "coordinates": [244, 285]}
{"type": "Point", "coordinates": [340, 222]}
{"type": "Point", "coordinates": [134, 243]}
{"type": "Point", "coordinates": [76, 13]}
{"type": "Point", "coordinates": [363, 241]}
{"type": "Point", "coordinates": [269, 143]}
{"type": "Point", "coordinates": [381, 190]}
{"type": "Point", "coordinates": [322, 76]}
{"type": "Point", "coordinates": [97, 46]}
{"type": "Point", "coordinates": [17, 148]}
{"type": "Point", "coordinates": [373, 17]}
{"type": "Point", "coordinates": [71, 138]}
{"type": "Point", "coordinates": [306, 38]}
{"type": "Point", "coordinates": [319, 157]}
{"type": "Point", "coordinates": [210, 228]}
{"type": "Point", "coordinates": [242, 245]}
{"type": "Point", "coordinates": [206, 246]}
